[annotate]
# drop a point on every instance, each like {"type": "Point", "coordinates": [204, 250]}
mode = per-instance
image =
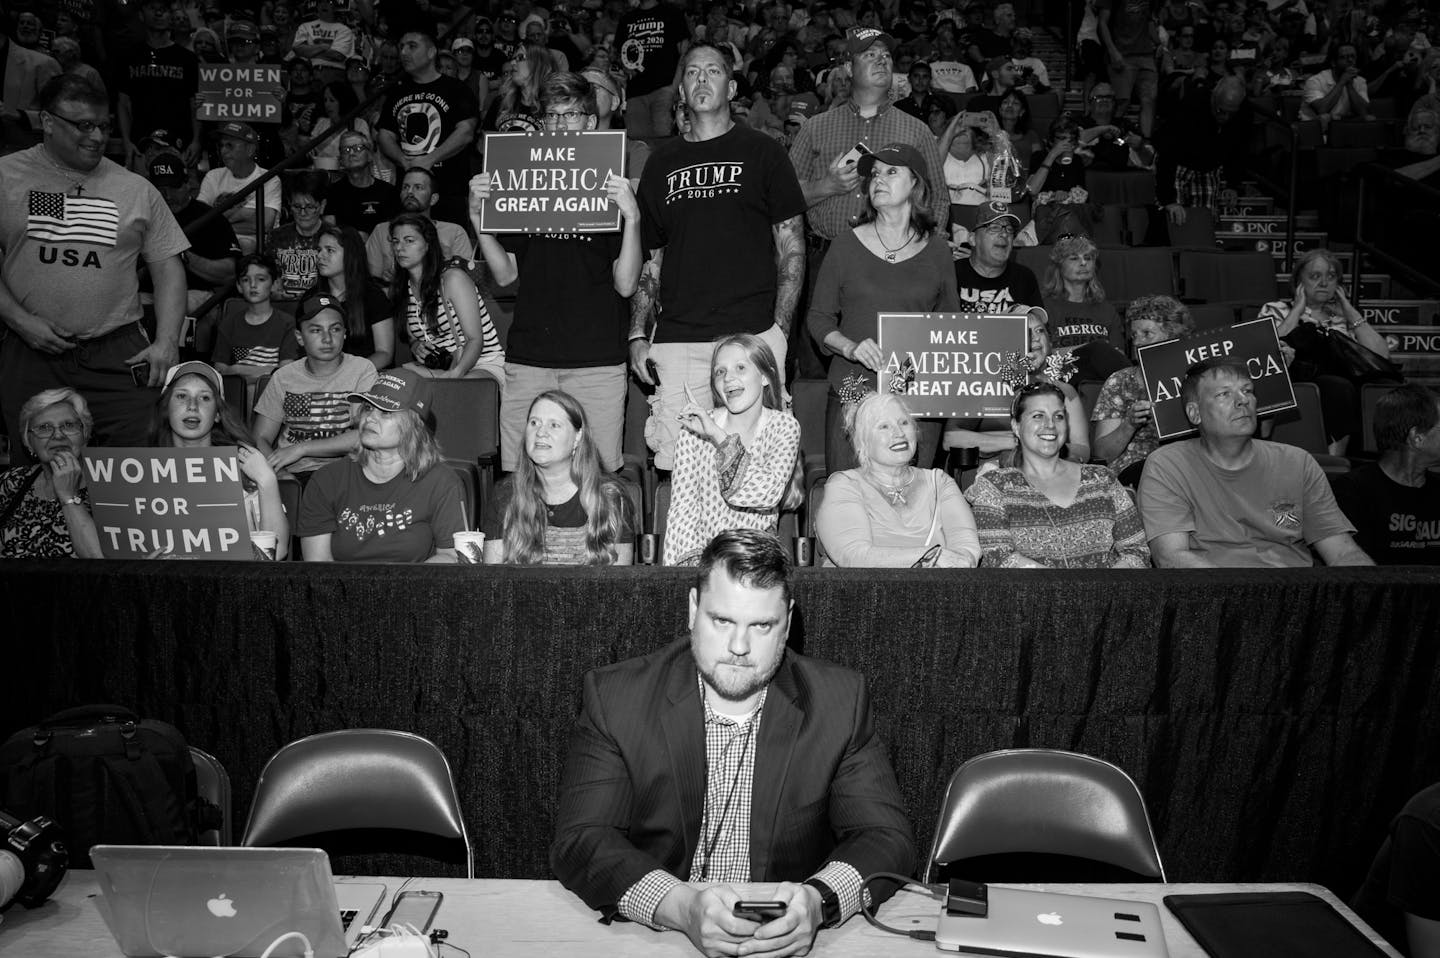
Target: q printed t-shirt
{"type": "Point", "coordinates": [422, 116]}
{"type": "Point", "coordinates": [712, 205]}
{"type": "Point", "coordinates": [647, 42]}
{"type": "Point", "coordinates": [395, 521]}
{"type": "Point", "coordinates": [313, 407]}
{"type": "Point", "coordinates": [72, 258]}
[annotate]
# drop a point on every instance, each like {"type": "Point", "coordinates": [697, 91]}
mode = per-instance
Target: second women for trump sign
{"type": "Point", "coordinates": [954, 362]}
{"type": "Point", "coordinates": [551, 182]}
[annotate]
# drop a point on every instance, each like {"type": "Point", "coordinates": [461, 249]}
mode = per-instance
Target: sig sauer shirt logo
{"type": "Point", "coordinates": [703, 181]}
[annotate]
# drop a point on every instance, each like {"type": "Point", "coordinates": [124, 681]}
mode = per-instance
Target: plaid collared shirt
{"type": "Point", "coordinates": [834, 133]}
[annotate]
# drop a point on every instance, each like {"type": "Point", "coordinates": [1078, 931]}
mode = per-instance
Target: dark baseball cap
{"type": "Point", "coordinates": [238, 131]}
{"type": "Point", "coordinates": [899, 154]}
{"type": "Point", "coordinates": [168, 169]}
{"type": "Point", "coordinates": [397, 389]}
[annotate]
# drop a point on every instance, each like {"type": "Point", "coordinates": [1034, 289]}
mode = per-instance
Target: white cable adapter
{"type": "Point", "coordinates": [395, 942]}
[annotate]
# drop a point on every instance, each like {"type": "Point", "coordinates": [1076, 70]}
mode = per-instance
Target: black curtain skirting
{"type": "Point", "coordinates": [1275, 721]}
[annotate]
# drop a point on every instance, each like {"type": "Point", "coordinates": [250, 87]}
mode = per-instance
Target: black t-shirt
{"type": "Point", "coordinates": [712, 206]}
{"type": "Point", "coordinates": [160, 83]}
{"type": "Point", "coordinates": [492, 64]}
{"type": "Point", "coordinates": [362, 207]}
{"type": "Point", "coordinates": [215, 240]}
{"type": "Point", "coordinates": [1394, 524]}
{"type": "Point", "coordinates": [1065, 173]}
{"type": "Point", "coordinates": [567, 313]}
{"type": "Point", "coordinates": [1016, 286]}
{"type": "Point", "coordinates": [302, 110]}
{"type": "Point", "coordinates": [375, 308]}
{"type": "Point", "coordinates": [1109, 155]}
{"type": "Point", "coordinates": [647, 42]}
{"type": "Point", "coordinates": [422, 116]}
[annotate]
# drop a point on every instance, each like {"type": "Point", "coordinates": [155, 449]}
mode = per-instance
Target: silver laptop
{"type": "Point", "coordinates": [196, 900]}
{"type": "Point", "coordinates": [1038, 924]}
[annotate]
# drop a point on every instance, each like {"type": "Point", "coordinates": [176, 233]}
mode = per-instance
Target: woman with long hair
{"type": "Point", "coordinates": [192, 412]}
{"type": "Point", "coordinates": [337, 99]}
{"type": "Point", "coordinates": [1047, 511]}
{"type": "Point", "coordinates": [559, 507]}
{"type": "Point", "coordinates": [1080, 319]}
{"type": "Point", "coordinates": [518, 108]}
{"type": "Point", "coordinates": [892, 260]}
{"type": "Point", "coordinates": [393, 499]}
{"type": "Point", "coordinates": [448, 326]}
{"type": "Point", "coordinates": [737, 461]}
{"type": "Point", "coordinates": [342, 272]}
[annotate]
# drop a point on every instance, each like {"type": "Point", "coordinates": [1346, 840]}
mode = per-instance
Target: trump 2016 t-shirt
{"type": "Point", "coordinates": [711, 206]}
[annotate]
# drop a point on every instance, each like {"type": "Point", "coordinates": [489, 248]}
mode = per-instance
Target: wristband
{"type": "Point", "coordinates": [639, 336]}
{"type": "Point", "coordinates": [72, 501]}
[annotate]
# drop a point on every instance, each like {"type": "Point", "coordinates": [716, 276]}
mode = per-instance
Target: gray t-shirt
{"type": "Point", "coordinates": [1263, 514]}
{"type": "Point", "coordinates": [71, 256]}
{"type": "Point", "coordinates": [313, 407]}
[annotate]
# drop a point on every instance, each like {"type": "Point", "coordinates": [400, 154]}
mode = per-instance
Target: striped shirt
{"type": "Point", "coordinates": [446, 333]}
{"type": "Point", "coordinates": [835, 132]}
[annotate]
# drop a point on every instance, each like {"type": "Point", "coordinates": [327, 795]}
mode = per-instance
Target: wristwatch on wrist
{"type": "Point", "coordinates": [829, 903]}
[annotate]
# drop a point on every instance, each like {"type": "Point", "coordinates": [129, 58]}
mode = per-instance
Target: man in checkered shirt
{"type": "Point", "coordinates": [723, 758]}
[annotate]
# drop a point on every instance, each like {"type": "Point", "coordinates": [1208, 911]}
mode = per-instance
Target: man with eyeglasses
{"type": "Point", "coordinates": [988, 281]}
{"type": "Point", "coordinates": [74, 227]}
{"type": "Point", "coordinates": [488, 59]}
{"type": "Point", "coordinates": [570, 311]}
{"type": "Point", "coordinates": [360, 200]}
{"type": "Point", "coordinates": [429, 121]}
{"type": "Point", "coordinates": [296, 245]}
{"type": "Point", "coordinates": [507, 39]}
{"type": "Point", "coordinates": [158, 87]}
{"type": "Point", "coordinates": [1109, 137]}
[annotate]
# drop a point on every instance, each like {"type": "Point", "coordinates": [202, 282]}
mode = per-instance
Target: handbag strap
{"type": "Point", "coordinates": [935, 513]}
{"type": "Point", "coordinates": [15, 500]}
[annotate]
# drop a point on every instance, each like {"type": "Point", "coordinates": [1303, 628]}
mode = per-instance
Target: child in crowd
{"type": "Point", "coordinates": [736, 464]}
{"type": "Point", "coordinates": [253, 337]}
{"type": "Point", "coordinates": [304, 418]}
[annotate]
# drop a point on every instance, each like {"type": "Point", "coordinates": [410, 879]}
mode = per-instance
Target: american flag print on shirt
{"type": "Point", "coordinates": [255, 355]}
{"type": "Point", "coordinates": [315, 415]}
{"type": "Point", "coordinates": [57, 218]}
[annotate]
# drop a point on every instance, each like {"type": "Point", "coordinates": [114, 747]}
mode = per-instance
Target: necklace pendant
{"type": "Point", "coordinates": [890, 257]}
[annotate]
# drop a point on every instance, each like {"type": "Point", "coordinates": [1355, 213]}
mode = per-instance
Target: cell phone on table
{"type": "Point", "coordinates": [853, 157]}
{"type": "Point", "coordinates": [415, 908]}
{"type": "Point", "coordinates": [140, 373]}
{"type": "Point", "coordinates": [761, 911]}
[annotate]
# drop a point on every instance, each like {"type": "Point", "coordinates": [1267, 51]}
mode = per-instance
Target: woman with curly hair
{"type": "Point", "coordinates": [559, 507]}
{"type": "Point", "coordinates": [1080, 318]}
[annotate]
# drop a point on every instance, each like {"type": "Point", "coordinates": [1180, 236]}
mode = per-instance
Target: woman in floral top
{"type": "Point", "coordinates": [45, 509]}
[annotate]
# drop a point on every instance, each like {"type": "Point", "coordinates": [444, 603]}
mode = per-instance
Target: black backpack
{"type": "Point", "coordinates": [107, 777]}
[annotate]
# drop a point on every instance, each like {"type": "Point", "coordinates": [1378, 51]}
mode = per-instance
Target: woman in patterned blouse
{"type": "Point", "coordinates": [737, 465]}
{"type": "Point", "coordinates": [1049, 512]}
{"type": "Point", "coordinates": [45, 510]}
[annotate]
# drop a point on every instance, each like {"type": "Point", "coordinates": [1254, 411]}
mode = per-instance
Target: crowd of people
{"type": "Point", "coordinates": [783, 163]}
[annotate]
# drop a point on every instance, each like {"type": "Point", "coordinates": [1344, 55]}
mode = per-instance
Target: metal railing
{"type": "Point", "coordinates": [1404, 244]}
{"type": "Point", "coordinates": [1291, 190]}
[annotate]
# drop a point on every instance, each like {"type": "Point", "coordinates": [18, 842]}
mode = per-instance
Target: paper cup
{"type": "Point", "coordinates": [470, 547]}
{"type": "Point", "coordinates": [264, 544]}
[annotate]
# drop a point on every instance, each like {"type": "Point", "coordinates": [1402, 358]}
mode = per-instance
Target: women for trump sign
{"type": "Point", "coordinates": [180, 503]}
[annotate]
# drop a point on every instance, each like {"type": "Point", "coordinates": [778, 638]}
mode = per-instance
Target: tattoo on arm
{"type": "Point", "coordinates": [789, 269]}
{"type": "Point", "coordinates": [647, 294]}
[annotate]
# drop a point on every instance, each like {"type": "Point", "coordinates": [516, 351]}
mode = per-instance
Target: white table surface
{"type": "Point", "coordinates": [529, 919]}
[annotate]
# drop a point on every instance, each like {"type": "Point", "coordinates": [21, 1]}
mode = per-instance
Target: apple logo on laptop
{"type": "Point", "coordinates": [221, 907]}
{"type": "Point", "coordinates": [1050, 918]}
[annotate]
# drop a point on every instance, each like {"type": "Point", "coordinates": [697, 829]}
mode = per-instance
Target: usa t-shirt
{"type": "Point", "coordinates": [1013, 288]}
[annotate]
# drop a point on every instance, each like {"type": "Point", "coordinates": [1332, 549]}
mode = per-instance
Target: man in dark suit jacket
{"type": "Point", "coordinates": [653, 796]}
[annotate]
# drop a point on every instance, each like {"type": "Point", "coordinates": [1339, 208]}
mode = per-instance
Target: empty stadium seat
{"type": "Point", "coordinates": [1212, 315]}
{"type": "Point", "coordinates": [1140, 271]}
{"type": "Point", "coordinates": [1197, 230]}
{"type": "Point", "coordinates": [1234, 275]}
{"type": "Point", "coordinates": [1304, 426]}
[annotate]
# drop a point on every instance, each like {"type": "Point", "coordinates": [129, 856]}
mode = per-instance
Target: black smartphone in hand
{"type": "Point", "coordinates": [761, 911]}
{"type": "Point", "coordinates": [140, 373]}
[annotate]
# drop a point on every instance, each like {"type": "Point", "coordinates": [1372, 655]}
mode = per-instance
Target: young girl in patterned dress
{"type": "Point", "coordinates": [736, 465]}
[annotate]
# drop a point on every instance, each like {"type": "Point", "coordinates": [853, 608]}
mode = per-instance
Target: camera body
{"type": "Point", "coordinates": [39, 845]}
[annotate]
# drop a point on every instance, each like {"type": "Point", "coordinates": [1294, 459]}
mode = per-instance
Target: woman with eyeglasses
{"type": "Point", "coordinates": [44, 508]}
{"type": "Point", "coordinates": [337, 99]}
{"type": "Point", "coordinates": [1049, 512]}
{"type": "Point", "coordinates": [294, 246]}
